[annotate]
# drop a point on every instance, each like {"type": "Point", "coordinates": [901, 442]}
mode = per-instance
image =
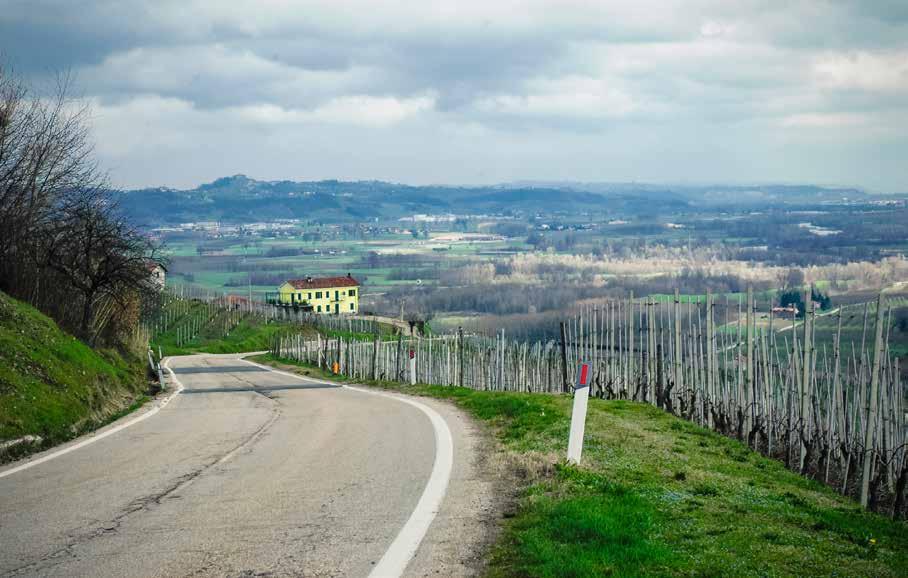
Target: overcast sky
{"type": "Point", "coordinates": [482, 91]}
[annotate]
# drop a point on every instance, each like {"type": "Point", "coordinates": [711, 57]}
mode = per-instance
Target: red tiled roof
{"type": "Point", "coordinates": [232, 299]}
{"type": "Point", "coordinates": [323, 282]}
{"type": "Point", "coordinates": [152, 265]}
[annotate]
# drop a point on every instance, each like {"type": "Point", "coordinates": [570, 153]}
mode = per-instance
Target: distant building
{"type": "Point", "coordinates": [233, 301]}
{"type": "Point", "coordinates": [790, 312]}
{"type": "Point", "coordinates": [156, 274]}
{"type": "Point", "coordinates": [335, 295]}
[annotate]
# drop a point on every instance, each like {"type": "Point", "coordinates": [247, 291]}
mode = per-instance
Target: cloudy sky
{"type": "Point", "coordinates": [483, 91]}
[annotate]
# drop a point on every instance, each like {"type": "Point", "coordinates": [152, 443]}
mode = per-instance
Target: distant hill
{"type": "Point", "coordinates": [721, 194]}
{"type": "Point", "coordinates": [242, 199]}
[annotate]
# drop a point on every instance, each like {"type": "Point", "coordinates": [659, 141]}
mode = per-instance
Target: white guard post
{"type": "Point", "coordinates": [412, 367]}
{"type": "Point", "coordinates": [578, 415]}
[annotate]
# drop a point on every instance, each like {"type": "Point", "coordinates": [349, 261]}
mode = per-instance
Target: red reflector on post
{"type": "Point", "coordinates": [578, 413]}
{"type": "Point", "coordinates": [583, 378]}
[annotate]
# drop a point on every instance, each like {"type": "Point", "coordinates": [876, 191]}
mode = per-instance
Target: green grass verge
{"type": "Point", "coordinates": [252, 333]}
{"type": "Point", "coordinates": [54, 386]}
{"type": "Point", "coordinates": [658, 496]}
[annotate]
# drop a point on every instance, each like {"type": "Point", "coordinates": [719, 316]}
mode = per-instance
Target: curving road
{"type": "Point", "coordinates": [246, 472]}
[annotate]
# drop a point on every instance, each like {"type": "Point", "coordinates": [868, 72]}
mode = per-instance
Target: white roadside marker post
{"type": "Point", "coordinates": [161, 378]}
{"type": "Point", "coordinates": [412, 367]}
{"type": "Point", "coordinates": [578, 415]}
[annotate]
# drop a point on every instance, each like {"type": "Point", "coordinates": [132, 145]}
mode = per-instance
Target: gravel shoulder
{"type": "Point", "coordinates": [467, 525]}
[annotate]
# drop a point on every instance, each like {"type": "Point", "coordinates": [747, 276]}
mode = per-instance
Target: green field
{"type": "Point", "coordinates": [761, 298]}
{"type": "Point", "coordinates": [335, 257]}
{"type": "Point", "coordinates": [853, 332]}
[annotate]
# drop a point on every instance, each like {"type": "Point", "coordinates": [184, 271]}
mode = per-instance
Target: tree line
{"type": "Point", "coordinates": [64, 244]}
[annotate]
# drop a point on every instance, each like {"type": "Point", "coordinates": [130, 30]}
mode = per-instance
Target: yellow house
{"type": "Point", "coordinates": [321, 294]}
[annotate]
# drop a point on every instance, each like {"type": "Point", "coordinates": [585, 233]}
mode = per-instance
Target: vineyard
{"type": "Point", "coordinates": [822, 394]}
{"type": "Point", "coordinates": [836, 414]}
{"type": "Point", "coordinates": [188, 320]}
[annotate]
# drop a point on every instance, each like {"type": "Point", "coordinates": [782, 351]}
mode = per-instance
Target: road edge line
{"type": "Point", "coordinates": [159, 405]}
{"type": "Point", "coordinates": [404, 546]}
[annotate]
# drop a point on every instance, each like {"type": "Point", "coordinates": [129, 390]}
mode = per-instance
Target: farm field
{"type": "Point", "coordinates": [853, 334]}
{"type": "Point", "coordinates": [227, 268]}
{"type": "Point", "coordinates": [826, 327]}
{"type": "Point", "coordinates": [525, 278]}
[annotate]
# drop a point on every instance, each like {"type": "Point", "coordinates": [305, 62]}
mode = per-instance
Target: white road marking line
{"type": "Point", "coordinates": [158, 406]}
{"type": "Point", "coordinates": [404, 546]}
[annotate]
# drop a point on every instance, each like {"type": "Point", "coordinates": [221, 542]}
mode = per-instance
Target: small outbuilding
{"type": "Point", "coordinates": [157, 274]}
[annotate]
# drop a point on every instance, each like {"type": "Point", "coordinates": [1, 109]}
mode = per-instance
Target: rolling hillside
{"type": "Point", "coordinates": [239, 198]}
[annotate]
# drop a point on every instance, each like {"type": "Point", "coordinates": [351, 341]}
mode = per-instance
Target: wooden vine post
{"type": "Point", "coordinates": [564, 370]}
{"type": "Point", "coordinates": [678, 370]}
{"type": "Point", "coordinates": [710, 352]}
{"type": "Point", "coordinates": [749, 397]}
{"type": "Point", "coordinates": [870, 420]}
{"type": "Point", "coordinates": [806, 364]}
{"type": "Point", "coordinates": [461, 355]}
{"type": "Point", "coordinates": [375, 357]}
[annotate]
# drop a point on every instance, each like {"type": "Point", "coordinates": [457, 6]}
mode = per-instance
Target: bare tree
{"type": "Point", "coordinates": [97, 253]}
{"type": "Point", "coordinates": [45, 151]}
{"type": "Point", "coordinates": [793, 278]}
{"type": "Point", "coordinates": [62, 232]}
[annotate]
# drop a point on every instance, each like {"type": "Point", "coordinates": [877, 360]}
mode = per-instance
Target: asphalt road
{"type": "Point", "coordinates": [244, 473]}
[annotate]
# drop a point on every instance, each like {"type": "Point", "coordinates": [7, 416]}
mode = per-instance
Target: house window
{"type": "Point", "coordinates": [352, 292]}
{"type": "Point", "coordinates": [319, 308]}
{"type": "Point", "coordinates": [310, 295]}
{"type": "Point", "coordinates": [318, 294]}
{"type": "Point", "coordinates": [351, 307]}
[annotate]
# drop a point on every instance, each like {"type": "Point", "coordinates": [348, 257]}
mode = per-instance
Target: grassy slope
{"type": "Point", "coordinates": [252, 334]}
{"type": "Point", "coordinates": [659, 496]}
{"type": "Point", "coordinates": [53, 385]}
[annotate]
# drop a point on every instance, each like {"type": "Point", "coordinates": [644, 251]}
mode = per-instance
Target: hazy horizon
{"type": "Point", "coordinates": [538, 183]}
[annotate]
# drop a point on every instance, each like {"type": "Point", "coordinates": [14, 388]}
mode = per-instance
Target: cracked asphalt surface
{"type": "Point", "coordinates": [235, 479]}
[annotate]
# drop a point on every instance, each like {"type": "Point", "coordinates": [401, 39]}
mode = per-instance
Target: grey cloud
{"type": "Point", "coordinates": [645, 73]}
